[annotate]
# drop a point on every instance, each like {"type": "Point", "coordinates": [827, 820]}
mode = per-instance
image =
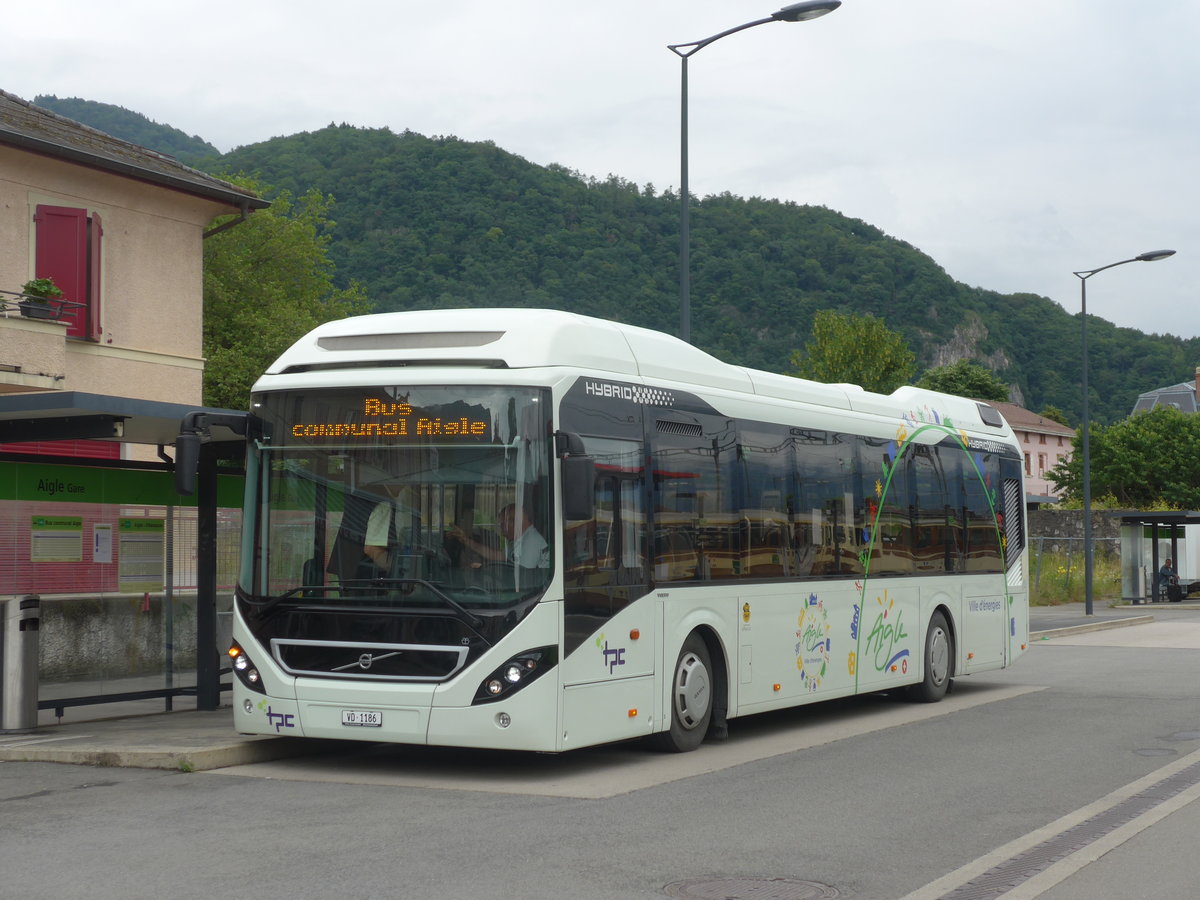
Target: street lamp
{"type": "Point", "coordinates": [1150, 256]}
{"type": "Point", "coordinates": [795, 12]}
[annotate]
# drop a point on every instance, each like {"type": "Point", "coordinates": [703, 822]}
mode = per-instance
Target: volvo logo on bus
{"type": "Point", "coordinates": [365, 661]}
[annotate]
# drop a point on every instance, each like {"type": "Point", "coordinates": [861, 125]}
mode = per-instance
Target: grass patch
{"type": "Point", "coordinates": [1058, 578]}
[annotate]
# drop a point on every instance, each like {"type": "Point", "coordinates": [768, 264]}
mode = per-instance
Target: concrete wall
{"type": "Point", "coordinates": [1065, 526]}
{"type": "Point", "coordinates": [88, 639]}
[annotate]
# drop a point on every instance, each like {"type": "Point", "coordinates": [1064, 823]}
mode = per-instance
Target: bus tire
{"type": "Point", "coordinates": [691, 698]}
{"type": "Point", "coordinates": [939, 662]}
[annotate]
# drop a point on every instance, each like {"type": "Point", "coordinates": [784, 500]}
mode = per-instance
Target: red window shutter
{"type": "Point", "coordinates": [95, 233]}
{"type": "Point", "coordinates": [61, 254]}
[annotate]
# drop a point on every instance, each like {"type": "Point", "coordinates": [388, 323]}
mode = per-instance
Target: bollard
{"type": "Point", "coordinates": [19, 679]}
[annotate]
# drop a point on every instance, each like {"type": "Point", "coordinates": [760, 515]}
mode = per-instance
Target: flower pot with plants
{"type": "Point", "coordinates": [36, 295]}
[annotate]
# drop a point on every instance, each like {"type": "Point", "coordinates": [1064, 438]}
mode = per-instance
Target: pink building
{"type": "Point", "coordinates": [1045, 444]}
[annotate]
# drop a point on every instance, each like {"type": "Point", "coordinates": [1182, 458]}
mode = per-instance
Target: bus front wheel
{"type": "Point", "coordinates": [691, 698]}
{"type": "Point", "coordinates": [939, 662]}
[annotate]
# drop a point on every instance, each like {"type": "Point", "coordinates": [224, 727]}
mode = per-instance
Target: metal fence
{"type": "Point", "coordinates": [117, 584]}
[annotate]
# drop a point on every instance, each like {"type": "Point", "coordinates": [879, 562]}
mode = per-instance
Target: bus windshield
{"type": "Point", "coordinates": [400, 496]}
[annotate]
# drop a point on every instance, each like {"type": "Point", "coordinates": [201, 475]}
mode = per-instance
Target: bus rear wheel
{"type": "Point", "coordinates": [939, 662]}
{"type": "Point", "coordinates": [691, 698]}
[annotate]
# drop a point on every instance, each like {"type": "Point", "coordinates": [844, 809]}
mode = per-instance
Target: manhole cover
{"type": "Point", "coordinates": [749, 889]}
{"type": "Point", "coordinates": [1156, 751]}
{"type": "Point", "coordinates": [1184, 736]}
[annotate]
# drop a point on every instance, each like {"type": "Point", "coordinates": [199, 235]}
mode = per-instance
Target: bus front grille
{"type": "Point", "coordinates": [373, 661]}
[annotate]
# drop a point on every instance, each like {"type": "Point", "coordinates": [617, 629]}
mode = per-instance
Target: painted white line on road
{"type": "Point", "coordinates": [598, 773]}
{"type": "Point", "coordinates": [1065, 867]}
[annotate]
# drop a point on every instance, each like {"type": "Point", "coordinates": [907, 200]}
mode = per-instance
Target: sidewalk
{"type": "Point", "coordinates": [192, 740]}
{"type": "Point", "coordinates": [1069, 618]}
{"type": "Point", "coordinates": [188, 740]}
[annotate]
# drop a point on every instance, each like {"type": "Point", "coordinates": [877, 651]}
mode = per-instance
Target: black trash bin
{"type": "Point", "coordinates": [19, 663]}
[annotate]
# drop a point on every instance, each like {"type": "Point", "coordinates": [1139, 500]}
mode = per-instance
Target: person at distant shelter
{"type": "Point", "coordinates": [1168, 580]}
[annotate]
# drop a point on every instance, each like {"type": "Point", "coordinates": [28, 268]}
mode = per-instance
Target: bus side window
{"type": "Point", "coordinates": [632, 521]}
{"type": "Point", "coordinates": [983, 539]}
{"type": "Point", "coordinates": [605, 524]}
{"type": "Point", "coordinates": [889, 524]}
{"type": "Point", "coordinates": [763, 480]}
{"type": "Point", "coordinates": [927, 512]}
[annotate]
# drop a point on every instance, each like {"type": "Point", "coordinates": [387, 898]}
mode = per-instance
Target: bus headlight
{"type": "Point", "coordinates": [244, 668]}
{"type": "Point", "coordinates": [515, 673]}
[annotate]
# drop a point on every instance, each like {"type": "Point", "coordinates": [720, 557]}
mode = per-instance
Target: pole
{"type": "Point", "coordinates": [685, 277]}
{"type": "Point", "coordinates": [1087, 469]}
{"type": "Point", "coordinates": [794, 12]}
{"type": "Point", "coordinates": [208, 675]}
{"type": "Point", "coordinates": [1083, 276]}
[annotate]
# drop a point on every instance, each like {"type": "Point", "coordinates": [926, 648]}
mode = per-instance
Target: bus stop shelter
{"type": "Point", "coordinates": [1140, 581]}
{"type": "Point", "coordinates": [73, 415]}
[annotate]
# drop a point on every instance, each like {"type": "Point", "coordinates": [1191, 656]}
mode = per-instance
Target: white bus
{"type": "Point", "coordinates": [528, 529]}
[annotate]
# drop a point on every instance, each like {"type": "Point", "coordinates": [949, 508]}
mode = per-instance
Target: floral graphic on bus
{"type": "Point", "coordinates": [852, 659]}
{"type": "Point", "coordinates": [883, 642]}
{"type": "Point", "coordinates": [812, 643]}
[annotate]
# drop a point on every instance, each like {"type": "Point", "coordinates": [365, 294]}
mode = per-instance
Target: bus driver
{"type": "Point", "coordinates": [526, 547]}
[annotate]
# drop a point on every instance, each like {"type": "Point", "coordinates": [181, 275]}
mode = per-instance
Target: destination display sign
{"type": "Point", "coordinates": [389, 419]}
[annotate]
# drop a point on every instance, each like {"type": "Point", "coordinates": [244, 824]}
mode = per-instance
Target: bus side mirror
{"type": "Point", "coordinates": [578, 487]}
{"type": "Point", "coordinates": [187, 458]}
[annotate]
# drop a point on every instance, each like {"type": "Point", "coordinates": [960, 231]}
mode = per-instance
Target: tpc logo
{"type": "Point", "coordinates": [613, 657]}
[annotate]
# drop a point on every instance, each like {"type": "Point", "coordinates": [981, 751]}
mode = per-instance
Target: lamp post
{"type": "Point", "coordinates": [795, 12]}
{"type": "Point", "coordinates": [1150, 256]}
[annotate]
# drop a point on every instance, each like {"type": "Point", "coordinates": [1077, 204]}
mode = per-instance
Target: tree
{"type": "Point", "coordinates": [965, 379]}
{"type": "Point", "coordinates": [1054, 414]}
{"type": "Point", "coordinates": [854, 349]}
{"type": "Point", "coordinates": [1148, 461]}
{"type": "Point", "coordinates": [267, 282]}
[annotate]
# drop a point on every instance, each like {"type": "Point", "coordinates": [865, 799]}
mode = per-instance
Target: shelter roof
{"type": "Point", "coordinates": [1165, 517]}
{"type": "Point", "coordinates": [66, 415]}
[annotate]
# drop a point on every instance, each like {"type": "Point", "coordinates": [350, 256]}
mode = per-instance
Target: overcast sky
{"type": "Point", "coordinates": [1014, 142]}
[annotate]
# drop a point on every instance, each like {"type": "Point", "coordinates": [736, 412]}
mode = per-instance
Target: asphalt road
{"type": "Point", "coordinates": [867, 798]}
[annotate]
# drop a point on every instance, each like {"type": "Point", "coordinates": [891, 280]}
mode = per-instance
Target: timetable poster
{"type": "Point", "coordinates": [140, 551]}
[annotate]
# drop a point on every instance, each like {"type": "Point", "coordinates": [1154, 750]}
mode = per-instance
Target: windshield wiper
{"type": "Point", "coordinates": [264, 606]}
{"type": "Point", "coordinates": [463, 613]}
{"type": "Point", "coordinates": [306, 591]}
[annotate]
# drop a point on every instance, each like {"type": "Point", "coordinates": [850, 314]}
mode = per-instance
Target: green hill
{"type": "Point", "coordinates": [440, 222]}
{"type": "Point", "coordinates": [428, 222]}
{"type": "Point", "coordinates": [130, 126]}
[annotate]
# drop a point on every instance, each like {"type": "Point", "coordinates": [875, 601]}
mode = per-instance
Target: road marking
{"type": "Point", "coordinates": [1039, 881]}
{"type": "Point", "coordinates": [1157, 635]}
{"type": "Point", "coordinates": [612, 770]}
